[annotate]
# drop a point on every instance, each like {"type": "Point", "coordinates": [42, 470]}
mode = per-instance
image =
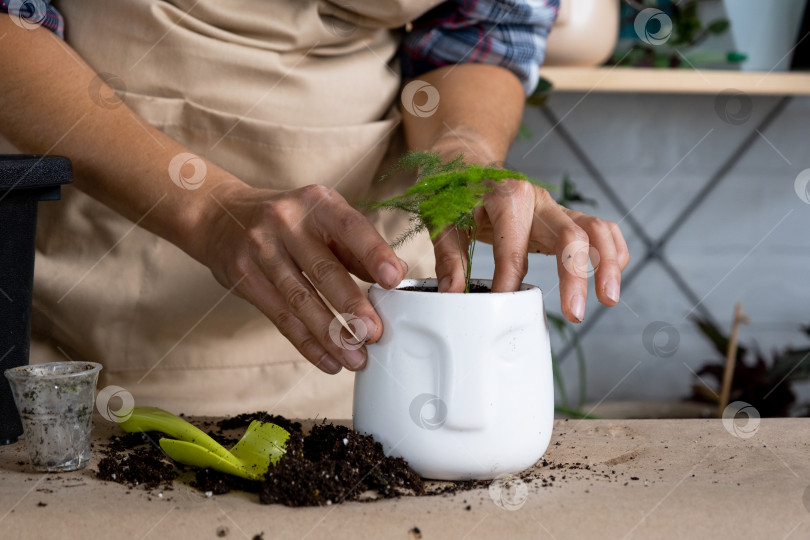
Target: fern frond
{"type": "Point", "coordinates": [408, 235]}
{"type": "Point", "coordinates": [445, 195]}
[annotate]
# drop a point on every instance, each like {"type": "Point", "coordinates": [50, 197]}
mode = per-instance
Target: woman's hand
{"type": "Point", "coordinates": [479, 115]}
{"type": "Point", "coordinates": [518, 218]}
{"type": "Point", "coordinates": [256, 242]}
{"type": "Point", "coordinates": [260, 242]}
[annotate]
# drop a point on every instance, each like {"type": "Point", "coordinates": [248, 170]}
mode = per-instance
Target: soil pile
{"type": "Point", "coordinates": [136, 460]}
{"type": "Point", "coordinates": [333, 464]}
{"type": "Point", "coordinates": [328, 465]}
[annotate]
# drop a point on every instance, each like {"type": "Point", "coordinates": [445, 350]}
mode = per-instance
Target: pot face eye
{"type": "Point", "coordinates": [420, 357]}
{"type": "Point", "coordinates": [420, 342]}
{"type": "Point", "coordinates": [506, 347]}
{"type": "Point", "coordinates": [512, 347]}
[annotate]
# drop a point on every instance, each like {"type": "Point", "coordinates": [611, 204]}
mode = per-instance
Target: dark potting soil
{"type": "Point", "coordinates": [328, 465]}
{"type": "Point", "coordinates": [135, 460]}
{"type": "Point", "coordinates": [474, 288]}
{"type": "Point", "coordinates": [244, 420]}
{"type": "Point", "coordinates": [213, 482]}
{"type": "Point", "coordinates": [333, 464]}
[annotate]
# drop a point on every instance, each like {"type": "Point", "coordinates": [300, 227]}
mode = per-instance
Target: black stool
{"type": "Point", "coordinates": [24, 181]}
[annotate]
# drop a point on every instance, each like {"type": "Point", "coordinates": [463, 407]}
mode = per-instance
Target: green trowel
{"type": "Point", "coordinates": [262, 445]}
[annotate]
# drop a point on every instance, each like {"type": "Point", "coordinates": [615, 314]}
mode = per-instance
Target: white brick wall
{"type": "Point", "coordinates": [749, 241]}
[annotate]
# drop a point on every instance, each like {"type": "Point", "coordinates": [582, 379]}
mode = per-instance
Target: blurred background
{"type": "Point", "coordinates": [689, 130]}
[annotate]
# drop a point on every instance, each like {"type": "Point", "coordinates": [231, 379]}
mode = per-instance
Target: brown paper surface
{"type": "Point", "coordinates": [694, 480]}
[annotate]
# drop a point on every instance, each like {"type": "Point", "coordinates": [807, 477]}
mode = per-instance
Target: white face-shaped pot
{"type": "Point", "coordinates": [460, 385]}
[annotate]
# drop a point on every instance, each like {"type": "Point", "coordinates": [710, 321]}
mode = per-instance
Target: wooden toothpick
{"type": "Point", "coordinates": [731, 358]}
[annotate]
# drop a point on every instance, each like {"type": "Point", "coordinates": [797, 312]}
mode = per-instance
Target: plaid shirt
{"type": "Point", "coordinates": [31, 13]}
{"type": "Point", "coordinates": [508, 33]}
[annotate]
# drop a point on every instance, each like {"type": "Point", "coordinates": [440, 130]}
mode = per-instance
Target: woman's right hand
{"type": "Point", "coordinates": [256, 242]}
{"type": "Point", "coordinates": [259, 243]}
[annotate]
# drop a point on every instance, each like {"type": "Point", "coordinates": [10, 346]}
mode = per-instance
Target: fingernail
{"type": "Point", "coordinates": [404, 266]}
{"type": "Point", "coordinates": [612, 290]}
{"type": "Point", "coordinates": [444, 284]}
{"type": "Point", "coordinates": [370, 329]}
{"type": "Point", "coordinates": [354, 359]}
{"type": "Point", "coordinates": [578, 307]}
{"type": "Point", "coordinates": [388, 274]}
{"type": "Point", "coordinates": [329, 364]}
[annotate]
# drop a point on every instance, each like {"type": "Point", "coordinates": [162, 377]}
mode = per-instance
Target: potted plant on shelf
{"type": "Point", "coordinates": [668, 34]}
{"type": "Point", "coordinates": [460, 384]}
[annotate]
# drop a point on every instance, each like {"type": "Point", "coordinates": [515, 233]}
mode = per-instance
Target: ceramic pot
{"type": "Point", "coordinates": [584, 34]}
{"type": "Point", "coordinates": [460, 385]}
{"type": "Point", "coordinates": [766, 32]}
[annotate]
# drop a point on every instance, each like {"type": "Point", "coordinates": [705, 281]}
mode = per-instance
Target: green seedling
{"type": "Point", "coordinates": [446, 195]}
{"type": "Point", "coordinates": [262, 445]}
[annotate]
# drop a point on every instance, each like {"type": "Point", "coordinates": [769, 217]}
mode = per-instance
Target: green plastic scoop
{"type": "Point", "coordinates": [262, 445]}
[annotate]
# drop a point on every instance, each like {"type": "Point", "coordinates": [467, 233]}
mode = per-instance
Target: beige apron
{"type": "Point", "coordinates": [282, 94]}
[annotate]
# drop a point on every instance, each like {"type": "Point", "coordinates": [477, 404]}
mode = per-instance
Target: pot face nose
{"type": "Point", "coordinates": [446, 380]}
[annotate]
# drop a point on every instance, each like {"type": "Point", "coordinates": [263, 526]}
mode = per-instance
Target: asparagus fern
{"type": "Point", "coordinates": [445, 195]}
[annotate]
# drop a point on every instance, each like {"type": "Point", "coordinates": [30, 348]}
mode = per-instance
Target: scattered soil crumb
{"type": "Point", "coordinates": [415, 532]}
{"type": "Point", "coordinates": [42, 504]}
{"type": "Point", "coordinates": [222, 531]}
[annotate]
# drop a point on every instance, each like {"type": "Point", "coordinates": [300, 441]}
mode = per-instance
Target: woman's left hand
{"type": "Point", "coordinates": [519, 218]}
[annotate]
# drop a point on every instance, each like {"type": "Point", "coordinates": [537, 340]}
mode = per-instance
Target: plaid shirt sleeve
{"type": "Point", "coordinates": [507, 33]}
{"type": "Point", "coordinates": [33, 13]}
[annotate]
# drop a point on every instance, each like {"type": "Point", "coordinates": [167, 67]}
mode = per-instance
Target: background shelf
{"type": "Point", "coordinates": [679, 81]}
